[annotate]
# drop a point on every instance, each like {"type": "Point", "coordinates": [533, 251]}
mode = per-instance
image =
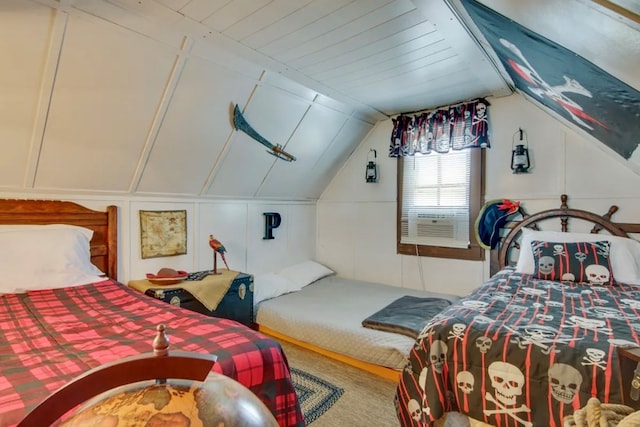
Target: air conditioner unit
{"type": "Point", "coordinates": [436, 228]}
{"type": "Point", "coordinates": [443, 228]}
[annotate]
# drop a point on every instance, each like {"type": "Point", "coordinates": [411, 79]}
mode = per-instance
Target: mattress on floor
{"type": "Point", "coordinates": [329, 314]}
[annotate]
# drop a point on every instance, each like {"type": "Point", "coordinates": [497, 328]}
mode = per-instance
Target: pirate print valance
{"type": "Point", "coordinates": [454, 127]}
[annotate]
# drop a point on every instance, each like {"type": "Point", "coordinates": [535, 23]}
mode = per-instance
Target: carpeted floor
{"type": "Point", "coordinates": [367, 400]}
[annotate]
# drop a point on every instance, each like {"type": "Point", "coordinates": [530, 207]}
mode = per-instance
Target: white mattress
{"type": "Point", "coordinates": [329, 314]}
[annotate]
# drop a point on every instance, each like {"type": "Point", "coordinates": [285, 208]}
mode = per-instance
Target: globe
{"type": "Point", "coordinates": [218, 402]}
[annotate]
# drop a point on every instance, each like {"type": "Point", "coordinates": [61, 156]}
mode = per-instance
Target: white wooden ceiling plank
{"type": "Point", "coordinates": [148, 19]}
{"type": "Point", "coordinates": [29, 42]}
{"type": "Point", "coordinates": [238, 175]}
{"type": "Point", "coordinates": [413, 34]}
{"type": "Point", "coordinates": [360, 41]}
{"type": "Point", "coordinates": [293, 22]}
{"type": "Point", "coordinates": [230, 49]}
{"type": "Point", "coordinates": [426, 66]}
{"type": "Point", "coordinates": [268, 15]}
{"type": "Point", "coordinates": [107, 90]}
{"type": "Point", "coordinates": [174, 4]}
{"type": "Point", "coordinates": [422, 79]}
{"type": "Point", "coordinates": [336, 155]}
{"type": "Point", "coordinates": [149, 11]}
{"type": "Point", "coordinates": [278, 81]}
{"type": "Point", "coordinates": [274, 114]}
{"type": "Point", "coordinates": [199, 10]}
{"type": "Point", "coordinates": [334, 105]}
{"type": "Point", "coordinates": [345, 30]}
{"type": "Point", "coordinates": [58, 27]}
{"type": "Point", "coordinates": [445, 90]}
{"type": "Point", "coordinates": [458, 36]}
{"type": "Point", "coordinates": [428, 44]}
{"type": "Point", "coordinates": [312, 137]}
{"type": "Point", "coordinates": [160, 115]}
{"type": "Point", "coordinates": [211, 51]}
{"type": "Point", "coordinates": [232, 13]}
{"type": "Point", "coordinates": [184, 155]}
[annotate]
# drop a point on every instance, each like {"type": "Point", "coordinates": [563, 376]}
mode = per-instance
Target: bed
{"type": "Point", "coordinates": [540, 337]}
{"type": "Point", "coordinates": [53, 331]}
{"type": "Point", "coordinates": [311, 306]}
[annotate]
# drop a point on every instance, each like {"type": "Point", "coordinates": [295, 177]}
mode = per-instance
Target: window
{"type": "Point", "coordinates": [439, 197]}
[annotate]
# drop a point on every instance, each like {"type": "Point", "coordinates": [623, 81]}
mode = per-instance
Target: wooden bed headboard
{"type": "Point", "coordinates": [104, 244]}
{"type": "Point", "coordinates": [500, 257]}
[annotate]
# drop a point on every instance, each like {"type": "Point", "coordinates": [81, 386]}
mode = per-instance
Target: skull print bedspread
{"type": "Point", "coordinates": [520, 351]}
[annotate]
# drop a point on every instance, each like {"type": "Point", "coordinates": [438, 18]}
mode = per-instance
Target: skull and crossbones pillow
{"type": "Point", "coordinates": [587, 262]}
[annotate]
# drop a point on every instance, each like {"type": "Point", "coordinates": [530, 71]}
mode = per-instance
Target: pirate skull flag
{"type": "Point", "coordinates": [568, 84]}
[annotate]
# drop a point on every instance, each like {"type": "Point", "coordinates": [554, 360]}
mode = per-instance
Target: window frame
{"type": "Point", "coordinates": [475, 252]}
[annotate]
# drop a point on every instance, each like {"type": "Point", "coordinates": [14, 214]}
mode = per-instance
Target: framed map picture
{"type": "Point", "coordinates": [163, 233]}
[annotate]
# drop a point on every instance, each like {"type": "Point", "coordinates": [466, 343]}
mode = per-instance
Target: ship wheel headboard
{"type": "Point", "coordinates": [503, 255]}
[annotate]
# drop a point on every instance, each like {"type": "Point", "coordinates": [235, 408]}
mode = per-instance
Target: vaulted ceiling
{"type": "Point", "coordinates": [136, 96]}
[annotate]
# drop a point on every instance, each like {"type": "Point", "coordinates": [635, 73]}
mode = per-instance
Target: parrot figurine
{"type": "Point", "coordinates": [218, 248]}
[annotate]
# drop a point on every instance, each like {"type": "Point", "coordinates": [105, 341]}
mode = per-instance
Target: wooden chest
{"type": "Point", "coordinates": [236, 304]}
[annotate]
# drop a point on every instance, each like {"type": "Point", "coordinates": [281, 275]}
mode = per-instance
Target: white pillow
{"type": "Point", "coordinates": [305, 273]}
{"type": "Point", "coordinates": [625, 252]}
{"type": "Point", "coordinates": [271, 285]}
{"type": "Point", "coordinates": [31, 227]}
{"type": "Point", "coordinates": [45, 257]}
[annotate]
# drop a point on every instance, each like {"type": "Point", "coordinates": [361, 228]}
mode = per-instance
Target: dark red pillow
{"type": "Point", "coordinates": [575, 262]}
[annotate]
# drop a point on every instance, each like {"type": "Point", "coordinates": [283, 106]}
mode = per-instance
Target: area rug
{"type": "Point", "coordinates": [315, 395]}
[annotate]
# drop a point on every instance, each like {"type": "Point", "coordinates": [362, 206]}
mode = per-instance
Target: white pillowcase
{"type": "Point", "coordinates": [271, 285]}
{"type": "Point", "coordinates": [305, 272]}
{"type": "Point", "coordinates": [33, 227]}
{"type": "Point", "coordinates": [45, 257]}
{"type": "Point", "coordinates": [625, 252]}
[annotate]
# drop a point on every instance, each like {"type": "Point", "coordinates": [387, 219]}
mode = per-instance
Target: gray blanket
{"type": "Point", "coordinates": [407, 315]}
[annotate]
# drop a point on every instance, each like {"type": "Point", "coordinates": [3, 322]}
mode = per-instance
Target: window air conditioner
{"type": "Point", "coordinates": [435, 227]}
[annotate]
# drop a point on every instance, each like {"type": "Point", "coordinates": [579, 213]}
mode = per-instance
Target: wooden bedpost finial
{"type": "Point", "coordinates": [564, 220]}
{"type": "Point", "coordinates": [161, 341]}
{"type": "Point", "coordinates": [563, 201]}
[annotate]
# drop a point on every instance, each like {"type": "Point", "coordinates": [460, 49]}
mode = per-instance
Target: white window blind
{"type": "Point", "coordinates": [436, 199]}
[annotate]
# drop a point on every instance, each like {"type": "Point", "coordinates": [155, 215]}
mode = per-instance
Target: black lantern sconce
{"type": "Point", "coordinates": [520, 162]}
{"type": "Point", "coordinates": [371, 173]}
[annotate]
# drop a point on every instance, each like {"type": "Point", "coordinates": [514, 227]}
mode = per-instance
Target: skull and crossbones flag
{"type": "Point", "coordinates": [574, 88]}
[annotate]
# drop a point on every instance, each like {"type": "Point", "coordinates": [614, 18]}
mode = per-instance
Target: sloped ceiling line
{"type": "Point", "coordinates": [293, 132]}
{"type": "Point", "coordinates": [335, 139]}
{"type": "Point", "coordinates": [227, 143]}
{"type": "Point", "coordinates": [47, 86]}
{"type": "Point", "coordinates": [161, 111]}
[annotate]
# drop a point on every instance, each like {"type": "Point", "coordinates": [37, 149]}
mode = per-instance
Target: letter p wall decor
{"type": "Point", "coordinates": [271, 220]}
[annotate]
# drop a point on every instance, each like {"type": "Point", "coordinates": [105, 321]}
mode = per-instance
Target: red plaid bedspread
{"type": "Point", "coordinates": [49, 337]}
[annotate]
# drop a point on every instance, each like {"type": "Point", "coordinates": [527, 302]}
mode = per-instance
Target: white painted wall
{"type": "Point", "coordinates": [238, 224]}
{"type": "Point", "coordinates": [357, 220]}
{"type": "Point", "coordinates": [352, 228]}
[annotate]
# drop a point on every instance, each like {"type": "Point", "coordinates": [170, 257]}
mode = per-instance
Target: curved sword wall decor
{"type": "Point", "coordinates": [275, 150]}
